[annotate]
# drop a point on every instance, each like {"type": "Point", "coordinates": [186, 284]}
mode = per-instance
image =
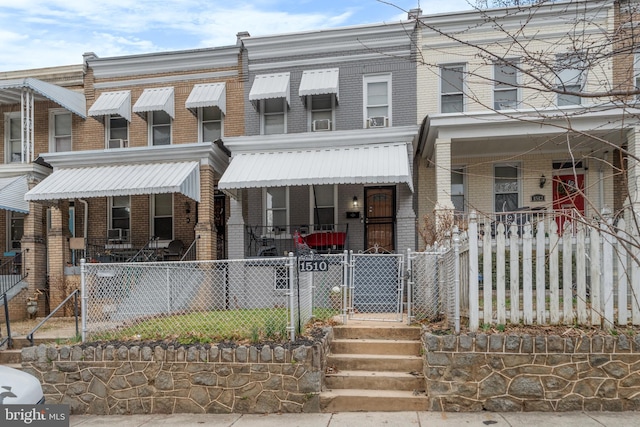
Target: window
{"type": "Point", "coordinates": [162, 205]}
{"type": "Point", "coordinates": [457, 189]}
{"type": "Point", "coordinates": [323, 208]}
{"type": "Point", "coordinates": [321, 111]}
{"type": "Point", "coordinates": [117, 132]}
{"type": "Point", "coordinates": [570, 75]}
{"type": "Point", "coordinates": [274, 118]}
{"type": "Point", "coordinates": [451, 87]}
{"type": "Point", "coordinates": [159, 128]}
{"type": "Point", "coordinates": [13, 137]}
{"type": "Point", "coordinates": [210, 124]}
{"type": "Point", "coordinates": [16, 230]}
{"type": "Point", "coordinates": [276, 203]}
{"type": "Point", "coordinates": [120, 218]}
{"type": "Point", "coordinates": [505, 94]}
{"type": "Point", "coordinates": [59, 131]}
{"type": "Point", "coordinates": [377, 100]}
{"type": "Point", "coordinates": [506, 187]}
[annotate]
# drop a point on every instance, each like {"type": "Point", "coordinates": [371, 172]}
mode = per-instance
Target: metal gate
{"type": "Point", "coordinates": [376, 283]}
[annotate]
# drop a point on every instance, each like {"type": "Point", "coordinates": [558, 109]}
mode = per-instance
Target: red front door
{"type": "Point", "coordinates": [568, 197]}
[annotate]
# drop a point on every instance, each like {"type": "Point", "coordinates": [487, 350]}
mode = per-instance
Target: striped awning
{"type": "Point", "coordinates": [269, 86]}
{"type": "Point", "coordinates": [111, 103]}
{"type": "Point", "coordinates": [119, 180]}
{"type": "Point", "coordinates": [208, 95]}
{"type": "Point", "coordinates": [155, 99]}
{"type": "Point", "coordinates": [12, 191]}
{"type": "Point", "coordinates": [364, 164]}
{"type": "Point", "coordinates": [319, 82]}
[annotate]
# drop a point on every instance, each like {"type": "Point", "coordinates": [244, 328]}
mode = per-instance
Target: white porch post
{"type": "Point", "coordinates": [633, 168]}
{"type": "Point", "coordinates": [235, 228]}
{"type": "Point", "coordinates": [444, 206]}
{"type": "Point", "coordinates": [26, 123]}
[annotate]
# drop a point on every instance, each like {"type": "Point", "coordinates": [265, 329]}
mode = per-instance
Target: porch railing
{"type": "Point", "coordinates": [263, 241]}
{"type": "Point", "coordinates": [12, 271]}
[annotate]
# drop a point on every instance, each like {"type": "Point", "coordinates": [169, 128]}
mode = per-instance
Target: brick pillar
{"type": "Point", "coordinates": [58, 255]}
{"type": "Point", "coordinates": [34, 256]}
{"type": "Point", "coordinates": [205, 228]}
{"type": "Point", "coordinates": [444, 206]}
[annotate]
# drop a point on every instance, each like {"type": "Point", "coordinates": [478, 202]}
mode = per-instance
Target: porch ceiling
{"type": "Point", "coordinates": [119, 180]}
{"type": "Point", "coordinates": [364, 164]}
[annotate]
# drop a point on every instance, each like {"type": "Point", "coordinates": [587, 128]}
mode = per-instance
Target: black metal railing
{"type": "Point", "coordinates": [107, 251]}
{"type": "Point", "coordinates": [73, 295]}
{"type": "Point", "coordinates": [12, 271]}
{"type": "Point", "coordinates": [191, 254]}
{"type": "Point", "coordinates": [8, 338]}
{"type": "Point", "coordinates": [278, 240]}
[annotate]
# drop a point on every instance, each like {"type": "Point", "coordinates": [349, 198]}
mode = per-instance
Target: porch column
{"type": "Point", "coordinates": [205, 228]}
{"type": "Point", "coordinates": [444, 206]}
{"type": "Point", "coordinates": [58, 255]}
{"type": "Point", "coordinates": [633, 168]}
{"type": "Point", "coordinates": [34, 255]}
{"type": "Point", "coordinates": [405, 220]}
{"type": "Point", "coordinates": [235, 228]}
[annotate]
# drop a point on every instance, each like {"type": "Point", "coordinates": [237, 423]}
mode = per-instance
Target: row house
{"type": "Point", "coordinates": [524, 109]}
{"type": "Point", "coordinates": [330, 122]}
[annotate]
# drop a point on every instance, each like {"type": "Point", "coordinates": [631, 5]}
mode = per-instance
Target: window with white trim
{"type": "Point", "coordinates": [120, 218]}
{"type": "Point", "coordinates": [276, 208]}
{"type": "Point", "coordinates": [506, 187]}
{"type": "Point", "coordinates": [159, 128]}
{"type": "Point", "coordinates": [13, 137]}
{"type": "Point", "coordinates": [458, 188]}
{"type": "Point", "coordinates": [117, 130]}
{"type": "Point", "coordinates": [452, 88]}
{"type": "Point", "coordinates": [59, 130]}
{"type": "Point", "coordinates": [570, 75]}
{"type": "Point", "coordinates": [323, 206]}
{"type": "Point", "coordinates": [273, 116]}
{"type": "Point", "coordinates": [377, 100]}
{"type": "Point", "coordinates": [321, 112]}
{"type": "Point", "coordinates": [162, 213]}
{"type": "Point", "coordinates": [15, 230]}
{"type": "Point", "coordinates": [505, 92]}
{"type": "Point", "coordinates": [210, 119]}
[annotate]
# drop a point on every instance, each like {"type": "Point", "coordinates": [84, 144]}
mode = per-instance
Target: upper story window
{"type": "Point", "coordinates": [210, 119]}
{"type": "Point", "coordinates": [321, 112]}
{"type": "Point", "coordinates": [505, 92]}
{"type": "Point", "coordinates": [159, 128]}
{"type": "Point", "coordinates": [59, 131]}
{"type": "Point", "coordinates": [270, 95]}
{"type": "Point", "coordinates": [273, 116]}
{"type": "Point", "coordinates": [319, 90]}
{"type": "Point", "coordinates": [117, 130]}
{"type": "Point", "coordinates": [13, 137]}
{"type": "Point", "coordinates": [207, 101]}
{"type": "Point", "coordinates": [570, 74]}
{"type": "Point", "coordinates": [452, 88]}
{"type": "Point", "coordinates": [377, 100]}
{"type": "Point", "coordinates": [506, 187]}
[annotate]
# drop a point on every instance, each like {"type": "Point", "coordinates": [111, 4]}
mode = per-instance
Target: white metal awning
{"type": "Point", "coordinates": [119, 180]}
{"type": "Point", "coordinates": [319, 82]}
{"type": "Point", "coordinates": [268, 86]}
{"type": "Point", "coordinates": [12, 191]}
{"type": "Point", "coordinates": [110, 103]}
{"type": "Point", "coordinates": [11, 93]}
{"type": "Point", "coordinates": [363, 164]}
{"type": "Point", "coordinates": [155, 99]}
{"type": "Point", "coordinates": [208, 95]}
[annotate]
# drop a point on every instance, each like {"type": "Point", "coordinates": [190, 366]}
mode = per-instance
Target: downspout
{"type": "Point", "coordinates": [85, 226]}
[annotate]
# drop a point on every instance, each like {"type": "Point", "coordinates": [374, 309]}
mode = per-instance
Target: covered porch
{"type": "Point", "coordinates": [333, 191]}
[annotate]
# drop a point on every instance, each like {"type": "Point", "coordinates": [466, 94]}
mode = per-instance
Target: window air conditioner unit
{"type": "Point", "coordinates": [320, 125]}
{"type": "Point", "coordinates": [114, 234]}
{"type": "Point", "coordinates": [118, 143]}
{"type": "Point", "coordinates": [378, 122]}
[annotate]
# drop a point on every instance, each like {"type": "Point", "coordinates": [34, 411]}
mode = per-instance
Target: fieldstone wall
{"type": "Point", "coordinates": [216, 379]}
{"type": "Point", "coordinates": [478, 372]}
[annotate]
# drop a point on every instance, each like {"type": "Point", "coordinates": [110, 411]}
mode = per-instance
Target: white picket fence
{"type": "Point", "coordinates": [533, 274]}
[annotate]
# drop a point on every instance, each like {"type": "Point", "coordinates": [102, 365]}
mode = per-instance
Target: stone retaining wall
{"type": "Point", "coordinates": [478, 372]}
{"type": "Point", "coordinates": [144, 379]}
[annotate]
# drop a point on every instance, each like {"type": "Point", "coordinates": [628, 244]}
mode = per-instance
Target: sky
{"type": "Point", "coordinates": [46, 33]}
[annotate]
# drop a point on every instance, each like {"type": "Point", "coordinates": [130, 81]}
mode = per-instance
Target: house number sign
{"type": "Point", "coordinates": [309, 265]}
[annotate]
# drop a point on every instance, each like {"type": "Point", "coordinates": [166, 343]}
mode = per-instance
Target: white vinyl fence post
{"type": "Point", "coordinates": [409, 286]}
{"type": "Point", "coordinates": [456, 282]}
{"type": "Point", "coordinates": [291, 294]}
{"type": "Point", "coordinates": [474, 302]}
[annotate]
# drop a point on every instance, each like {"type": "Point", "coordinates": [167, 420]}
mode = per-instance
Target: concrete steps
{"type": "Point", "coordinates": [374, 367]}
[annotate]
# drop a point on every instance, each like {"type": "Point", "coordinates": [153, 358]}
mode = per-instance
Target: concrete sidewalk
{"type": "Point", "coordinates": [371, 419]}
